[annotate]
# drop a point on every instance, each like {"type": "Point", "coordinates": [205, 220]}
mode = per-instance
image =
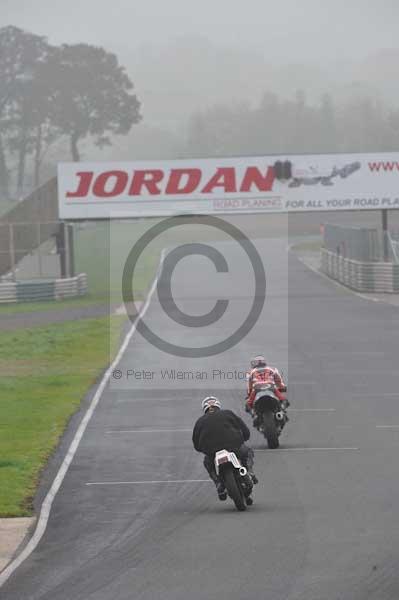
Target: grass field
{"type": "Point", "coordinates": [45, 372]}
{"type": "Point", "coordinates": [48, 306]}
{"type": "Point", "coordinates": [101, 251]}
{"type": "Point", "coordinates": [6, 206]}
{"type": "Point", "coordinates": [308, 246]}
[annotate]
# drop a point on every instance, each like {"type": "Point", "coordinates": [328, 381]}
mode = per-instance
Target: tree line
{"type": "Point", "coordinates": [294, 126]}
{"type": "Point", "coordinates": [51, 92]}
{"type": "Point", "coordinates": [57, 96]}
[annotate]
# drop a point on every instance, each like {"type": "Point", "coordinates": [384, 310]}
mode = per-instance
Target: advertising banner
{"type": "Point", "coordinates": [258, 184]}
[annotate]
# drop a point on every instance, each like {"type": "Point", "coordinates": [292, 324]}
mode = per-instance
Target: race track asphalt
{"type": "Point", "coordinates": [324, 522]}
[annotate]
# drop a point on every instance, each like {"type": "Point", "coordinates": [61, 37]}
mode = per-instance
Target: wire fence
{"type": "Point", "coordinates": [393, 240]}
{"type": "Point", "coordinates": [34, 251]}
{"type": "Point", "coordinates": [362, 244]}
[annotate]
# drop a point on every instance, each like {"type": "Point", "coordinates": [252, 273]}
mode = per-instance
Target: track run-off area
{"type": "Point", "coordinates": [136, 517]}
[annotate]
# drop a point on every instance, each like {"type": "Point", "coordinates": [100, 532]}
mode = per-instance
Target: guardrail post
{"type": "Point", "coordinates": [384, 216]}
{"type": "Point", "coordinates": [12, 250]}
{"type": "Point", "coordinates": [65, 236]}
{"type": "Point", "coordinates": [39, 251]}
{"type": "Point", "coordinates": [71, 250]}
{"type": "Point", "coordinates": [60, 242]}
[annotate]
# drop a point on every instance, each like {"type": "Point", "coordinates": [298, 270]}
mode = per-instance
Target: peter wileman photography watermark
{"type": "Point", "coordinates": [177, 375]}
{"type": "Point", "coordinates": [164, 286]}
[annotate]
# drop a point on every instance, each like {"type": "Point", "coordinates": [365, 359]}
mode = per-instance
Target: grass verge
{"type": "Point", "coordinates": [49, 305]}
{"type": "Point", "coordinates": [309, 246]}
{"type": "Point", "coordinates": [44, 372]}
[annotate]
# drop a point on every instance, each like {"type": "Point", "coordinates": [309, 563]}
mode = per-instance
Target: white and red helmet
{"type": "Point", "coordinates": [258, 361]}
{"type": "Point", "coordinates": [210, 401]}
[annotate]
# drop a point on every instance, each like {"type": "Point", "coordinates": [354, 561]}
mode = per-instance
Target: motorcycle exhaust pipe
{"type": "Point", "coordinates": [279, 415]}
{"type": "Point", "coordinates": [243, 471]}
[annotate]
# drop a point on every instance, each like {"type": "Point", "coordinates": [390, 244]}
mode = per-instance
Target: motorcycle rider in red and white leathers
{"type": "Point", "coordinates": [262, 373]}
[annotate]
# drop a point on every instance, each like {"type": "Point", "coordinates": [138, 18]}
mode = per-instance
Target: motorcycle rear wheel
{"type": "Point", "coordinates": [270, 430]}
{"type": "Point", "coordinates": [234, 490]}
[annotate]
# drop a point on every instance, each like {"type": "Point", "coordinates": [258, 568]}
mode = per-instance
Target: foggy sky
{"type": "Point", "coordinates": [184, 55]}
{"type": "Point", "coordinates": [282, 30]}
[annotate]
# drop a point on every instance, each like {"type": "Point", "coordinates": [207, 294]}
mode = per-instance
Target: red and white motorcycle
{"type": "Point", "coordinates": [270, 415]}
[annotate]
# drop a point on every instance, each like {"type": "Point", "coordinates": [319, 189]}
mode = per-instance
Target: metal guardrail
{"type": "Point", "coordinates": [380, 277]}
{"type": "Point", "coordinates": [37, 291]}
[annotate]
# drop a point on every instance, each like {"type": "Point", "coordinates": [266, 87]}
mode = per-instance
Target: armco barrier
{"type": "Point", "coordinates": [36, 291]}
{"type": "Point", "coordinates": [361, 276]}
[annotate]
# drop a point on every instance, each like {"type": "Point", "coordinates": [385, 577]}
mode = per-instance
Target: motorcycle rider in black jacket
{"type": "Point", "coordinates": [221, 430]}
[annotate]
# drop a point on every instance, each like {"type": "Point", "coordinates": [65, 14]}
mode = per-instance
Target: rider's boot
{"type": "Point", "coordinates": [253, 477]}
{"type": "Point", "coordinates": [220, 487]}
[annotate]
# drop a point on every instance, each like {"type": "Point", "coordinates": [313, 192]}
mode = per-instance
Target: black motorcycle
{"type": "Point", "coordinates": [270, 415]}
{"type": "Point", "coordinates": [235, 477]}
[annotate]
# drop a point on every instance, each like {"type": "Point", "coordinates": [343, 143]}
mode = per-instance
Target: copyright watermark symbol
{"type": "Point", "coordinates": [164, 286]}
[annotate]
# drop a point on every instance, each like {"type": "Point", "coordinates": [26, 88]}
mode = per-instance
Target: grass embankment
{"type": "Point", "coordinates": [44, 372]}
{"type": "Point", "coordinates": [45, 306]}
{"type": "Point", "coordinates": [6, 206]}
{"type": "Point", "coordinates": [308, 246]}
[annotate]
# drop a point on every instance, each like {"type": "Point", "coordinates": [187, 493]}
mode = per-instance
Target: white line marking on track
{"type": "Point", "coordinates": [149, 482]}
{"type": "Point", "coordinates": [328, 410]}
{"type": "Point", "coordinates": [302, 449]}
{"type": "Point", "coordinates": [121, 310]}
{"type": "Point", "coordinates": [147, 430]}
{"type": "Point", "coordinates": [374, 372]}
{"type": "Point", "coordinates": [157, 399]}
{"type": "Point", "coordinates": [387, 426]}
{"type": "Point", "coordinates": [340, 353]}
{"type": "Point", "coordinates": [59, 478]}
{"type": "Point", "coordinates": [377, 394]}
